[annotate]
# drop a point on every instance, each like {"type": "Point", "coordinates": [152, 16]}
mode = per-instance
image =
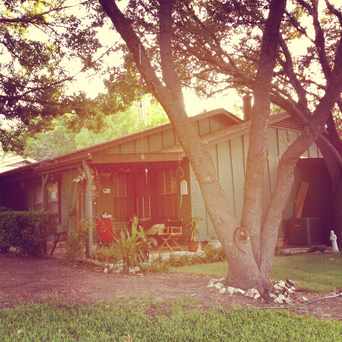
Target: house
{"type": "Point", "coordinates": [147, 174]}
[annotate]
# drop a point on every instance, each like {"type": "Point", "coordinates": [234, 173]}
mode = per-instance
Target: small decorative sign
{"type": "Point", "coordinates": [106, 190]}
{"type": "Point", "coordinates": [184, 187]}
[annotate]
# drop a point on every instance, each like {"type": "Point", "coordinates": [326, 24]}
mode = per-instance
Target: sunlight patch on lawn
{"type": "Point", "coordinates": [311, 271]}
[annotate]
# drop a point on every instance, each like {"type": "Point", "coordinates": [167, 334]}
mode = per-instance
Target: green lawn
{"type": "Point", "coordinates": [115, 323]}
{"type": "Point", "coordinates": [311, 271]}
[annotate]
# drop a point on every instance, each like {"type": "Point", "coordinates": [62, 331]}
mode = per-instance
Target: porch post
{"type": "Point", "coordinates": [44, 179]}
{"type": "Point", "coordinates": [89, 209]}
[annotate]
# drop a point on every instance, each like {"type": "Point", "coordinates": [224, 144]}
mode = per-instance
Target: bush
{"type": "Point", "coordinates": [77, 240]}
{"type": "Point", "coordinates": [132, 247]}
{"type": "Point", "coordinates": [106, 254]}
{"type": "Point", "coordinates": [214, 254]}
{"type": "Point", "coordinates": [26, 230]}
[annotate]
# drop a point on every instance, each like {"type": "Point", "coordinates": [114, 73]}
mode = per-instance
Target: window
{"type": "Point", "coordinates": [169, 194]}
{"type": "Point", "coordinates": [169, 182]}
{"type": "Point", "coordinates": [120, 195]}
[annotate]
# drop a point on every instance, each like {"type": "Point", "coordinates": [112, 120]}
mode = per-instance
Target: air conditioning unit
{"type": "Point", "coordinates": [305, 231]}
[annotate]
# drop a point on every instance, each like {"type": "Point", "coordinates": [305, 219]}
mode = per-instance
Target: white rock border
{"type": "Point", "coordinates": [283, 291]}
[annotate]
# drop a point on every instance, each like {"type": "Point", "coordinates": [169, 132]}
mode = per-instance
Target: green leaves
{"type": "Point", "coordinates": [132, 246]}
{"type": "Point", "coordinates": [23, 229]}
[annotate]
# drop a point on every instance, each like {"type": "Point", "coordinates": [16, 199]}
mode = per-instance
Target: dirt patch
{"type": "Point", "coordinates": [27, 280]}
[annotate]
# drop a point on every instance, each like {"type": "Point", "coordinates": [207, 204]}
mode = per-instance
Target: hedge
{"type": "Point", "coordinates": [26, 230]}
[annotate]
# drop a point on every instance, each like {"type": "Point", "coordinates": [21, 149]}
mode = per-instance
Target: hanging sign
{"type": "Point", "coordinates": [184, 187]}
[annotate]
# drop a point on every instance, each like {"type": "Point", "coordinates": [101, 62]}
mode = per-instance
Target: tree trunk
{"type": "Point", "coordinates": [256, 160]}
{"type": "Point", "coordinates": [243, 269]}
{"type": "Point", "coordinates": [279, 199]}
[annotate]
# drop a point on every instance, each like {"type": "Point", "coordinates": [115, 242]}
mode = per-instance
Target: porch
{"type": "Point", "coordinates": [157, 192]}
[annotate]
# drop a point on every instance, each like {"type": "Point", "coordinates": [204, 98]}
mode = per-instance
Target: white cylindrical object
{"type": "Point", "coordinates": [333, 239]}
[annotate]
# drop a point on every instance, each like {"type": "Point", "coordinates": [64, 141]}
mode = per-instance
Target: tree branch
{"type": "Point", "coordinates": [165, 36]}
{"type": "Point", "coordinates": [124, 27]}
{"type": "Point", "coordinates": [289, 70]}
{"type": "Point", "coordinates": [334, 11]}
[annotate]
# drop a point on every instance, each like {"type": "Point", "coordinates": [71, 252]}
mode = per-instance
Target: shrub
{"type": "Point", "coordinates": [76, 241]}
{"type": "Point", "coordinates": [133, 246]}
{"type": "Point", "coordinates": [106, 254]}
{"type": "Point", "coordinates": [214, 254]}
{"type": "Point", "coordinates": [26, 230]}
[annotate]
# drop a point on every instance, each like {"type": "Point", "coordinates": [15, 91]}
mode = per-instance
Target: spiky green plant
{"type": "Point", "coordinates": [132, 246]}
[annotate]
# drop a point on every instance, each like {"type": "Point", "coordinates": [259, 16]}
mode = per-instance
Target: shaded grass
{"type": "Point", "coordinates": [117, 322]}
{"type": "Point", "coordinates": [311, 271]}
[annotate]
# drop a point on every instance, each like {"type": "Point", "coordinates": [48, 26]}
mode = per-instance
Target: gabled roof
{"type": "Point", "coordinates": [11, 161]}
{"type": "Point", "coordinates": [234, 126]}
{"type": "Point", "coordinates": [279, 120]}
{"type": "Point", "coordinates": [230, 118]}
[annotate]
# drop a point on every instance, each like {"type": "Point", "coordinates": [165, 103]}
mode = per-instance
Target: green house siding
{"type": "Point", "coordinates": [67, 196]}
{"type": "Point", "coordinates": [229, 157]}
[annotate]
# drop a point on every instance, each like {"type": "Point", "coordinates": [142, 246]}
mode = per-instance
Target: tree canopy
{"type": "Point", "coordinates": [45, 46]}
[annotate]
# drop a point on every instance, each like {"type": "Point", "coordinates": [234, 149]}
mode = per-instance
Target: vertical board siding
{"type": "Point", "coordinates": [155, 142]}
{"type": "Point", "coordinates": [232, 173]}
{"type": "Point", "coordinates": [283, 141]}
{"type": "Point", "coordinates": [204, 127]}
{"type": "Point", "coordinates": [245, 148]}
{"type": "Point", "coordinates": [210, 228]}
{"type": "Point", "coordinates": [198, 207]}
{"type": "Point", "coordinates": [114, 150]}
{"type": "Point", "coordinates": [230, 160]}
{"type": "Point", "coordinates": [238, 172]}
{"type": "Point", "coordinates": [168, 138]}
{"type": "Point", "coordinates": [129, 147]}
{"type": "Point", "coordinates": [142, 145]}
{"type": "Point", "coordinates": [67, 188]}
{"type": "Point", "coordinates": [272, 155]}
{"type": "Point", "coordinates": [225, 174]}
{"type": "Point", "coordinates": [267, 185]}
{"type": "Point", "coordinates": [216, 124]}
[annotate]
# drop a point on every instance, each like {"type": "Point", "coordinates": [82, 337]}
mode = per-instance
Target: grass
{"type": "Point", "coordinates": [132, 322]}
{"type": "Point", "coordinates": [311, 271]}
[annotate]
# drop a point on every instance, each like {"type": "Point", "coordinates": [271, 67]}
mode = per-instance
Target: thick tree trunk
{"type": "Point", "coordinates": [243, 269]}
{"type": "Point", "coordinates": [256, 160]}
